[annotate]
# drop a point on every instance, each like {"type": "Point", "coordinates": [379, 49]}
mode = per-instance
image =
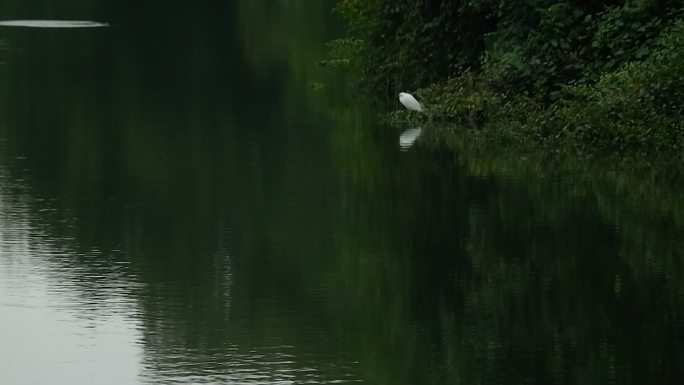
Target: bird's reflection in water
{"type": "Point", "coordinates": [408, 137]}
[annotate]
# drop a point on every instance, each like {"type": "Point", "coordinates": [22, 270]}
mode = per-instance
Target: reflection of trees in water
{"type": "Point", "coordinates": [494, 273]}
{"type": "Point", "coordinates": [172, 155]}
{"type": "Point", "coordinates": [41, 256]}
{"type": "Point", "coordinates": [572, 280]}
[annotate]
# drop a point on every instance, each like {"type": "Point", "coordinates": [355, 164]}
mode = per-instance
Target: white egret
{"type": "Point", "coordinates": [410, 102]}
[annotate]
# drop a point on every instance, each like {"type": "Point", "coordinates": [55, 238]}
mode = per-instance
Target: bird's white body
{"type": "Point", "coordinates": [408, 101]}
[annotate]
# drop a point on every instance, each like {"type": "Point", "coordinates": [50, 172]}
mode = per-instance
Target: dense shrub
{"type": "Point", "coordinates": [588, 75]}
{"type": "Point", "coordinates": [409, 43]}
{"type": "Point", "coordinates": [533, 46]}
{"type": "Point", "coordinates": [638, 108]}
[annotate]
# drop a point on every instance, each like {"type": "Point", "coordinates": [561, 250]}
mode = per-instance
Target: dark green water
{"type": "Point", "coordinates": [185, 197]}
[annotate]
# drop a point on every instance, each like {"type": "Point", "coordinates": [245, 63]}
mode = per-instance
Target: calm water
{"type": "Point", "coordinates": [185, 197]}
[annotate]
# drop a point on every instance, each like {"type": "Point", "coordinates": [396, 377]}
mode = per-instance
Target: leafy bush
{"type": "Point", "coordinates": [576, 74]}
{"type": "Point", "coordinates": [528, 46]}
{"type": "Point", "coordinates": [638, 108]}
{"type": "Point", "coordinates": [408, 43]}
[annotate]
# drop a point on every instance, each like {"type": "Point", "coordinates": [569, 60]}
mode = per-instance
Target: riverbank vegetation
{"type": "Point", "coordinates": [566, 75]}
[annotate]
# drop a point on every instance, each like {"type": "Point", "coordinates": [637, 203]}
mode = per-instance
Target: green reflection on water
{"type": "Point", "coordinates": [254, 222]}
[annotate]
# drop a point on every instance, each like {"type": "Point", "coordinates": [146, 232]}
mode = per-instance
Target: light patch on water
{"type": "Point", "coordinates": [60, 322]}
{"type": "Point", "coordinates": [408, 137]}
{"type": "Point", "coordinates": [52, 23]}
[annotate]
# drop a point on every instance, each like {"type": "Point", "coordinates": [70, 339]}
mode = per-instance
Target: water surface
{"type": "Point", "coordinates": [185, 197]}
{"type": "Point", "coordinates": [52, 23]}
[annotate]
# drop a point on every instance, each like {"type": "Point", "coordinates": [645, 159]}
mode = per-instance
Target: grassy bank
{"type": "Point", "coordinates": [580, 77]}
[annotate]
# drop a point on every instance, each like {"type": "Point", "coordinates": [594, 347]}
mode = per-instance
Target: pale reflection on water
{"type": "Point", "coordinates": [231, 365]}
{"type": "Point", "coordinates": [75, 318]}
{"type": "Point", "coordinates": [409, 137]}
{"type": "Point", "coordinates": [52, 23]}
{"type": "Point", "coordinates": [60, 324]}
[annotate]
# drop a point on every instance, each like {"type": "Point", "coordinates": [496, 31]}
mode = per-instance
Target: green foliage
{"type": "Point", "coordinates": [341, 52]}
{"type": "Point", "coordinates": [590, 76]}
{"type": "Point", "coordinates": [566, 42]}
{"type": "Point", "coordinates": [408, 43]}
{"type": "Point", "coordinates": [530, 46]}
{"type": "Point", "coordinates": [639, 108]}
{"type": "Point", "coordinates": [534, 56]}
